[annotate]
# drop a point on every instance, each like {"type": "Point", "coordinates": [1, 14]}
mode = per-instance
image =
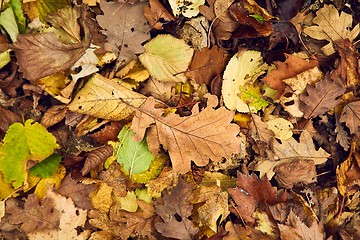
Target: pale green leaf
{"type": "Point", "coordinates": [20, 144]}
{"type": "Point", "coordinates": [134, 157]}
{"type": "Point", "coordinates": [166, 58]}
{"type": "Point", "coordinates": [8, 22]}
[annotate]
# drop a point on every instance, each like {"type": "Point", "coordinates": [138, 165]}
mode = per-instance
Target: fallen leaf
{"type": "Point", "coordinates": [53, 115]}
{"type": "Point", "coordinates": [342, 137]}
{"type": "Point", "coordinates": [186, 8]}
{"type": "Point", "coordinates": [263, 136]}
{"type": "Point", "coordinates": [177, 203]}
{"type": "Point", "coordinates": [281, 127]}
{"type": "Point", "coordinates": [125, 26]}
{"type": "Point", "coordinates": [237, 231]}
{"type": "Point", "coordinates": [8, 118]}
{"type": "Point", "coordinates": [199, 137]}
{"type": "Point", "coordinates": [250, 192]}
{"type": "Point", "coordinates": [195, 32]}
{"type": "Point", "coordinates": [115, 178]}
{"type": "Point", "coordinates": [322, 97]}
{"type": "Point", "coordinates": [101, 199]}
{"type": "Point", "coordinates": [166, 180]}
{"type": "Point", "coordinates": [8, 22]}
{"type": "Point", "coordinates": [350, 115]}
{"type": "Point", "coordinates": [167, 58]}
{"type": "Point", "coordinates": [206, 65]}
{"type": "Point", "coordinates": [156, 14]}
{"type": "Point", "coordinates": [159, 90]}
{"type": "Point", "coordinates": [214, 204]}
{"type": "Point", "coordinates": [96, 158]}
{"type": "Point", "coordinates": [332, 27]}
{"type": "Point", "coordinates": [104, 98]}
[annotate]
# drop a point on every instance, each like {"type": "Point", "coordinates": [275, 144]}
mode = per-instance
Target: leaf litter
{"type": "Point", "coordinates": [179, 119]}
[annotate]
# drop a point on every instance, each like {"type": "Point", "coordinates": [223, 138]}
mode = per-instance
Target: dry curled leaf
{"type": "Point", "coordinates": [262, 135]}
{"type": "Point", "coordinates": [350, 115]}
{"type": "Point", "coordinates": [53, 115]}
{"type": "Point", "coordinates": [96, 158]}
{"type": "Point", "coordinates": [199, 137]}
{"type": "Point", "coordinates": [321, 98]}
{"type": "Point", "coordinates": [156, 14]}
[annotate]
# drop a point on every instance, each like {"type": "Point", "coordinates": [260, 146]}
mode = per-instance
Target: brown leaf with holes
{"type": "Point", "coordinates": [206, 65]}
{"type": "Point", "coordinates": [53, 115]}
{"type": "Point", "coordinates": [35, 215]}
{"type": "Point", "coordinates": [157, 14]}
{"type": "Point", "coordinates": [292, 66]}
{"type": "Point", "coordinates": [177, 204]}
{"type": "Point", "coordinates": [206, 135]}
{"type": "Point", "coordinates": [96, 158]}
{"type": "Point", "coordinates": [320, 98]}
{"type": "Point", "coordinates": [350, 115]}
{"type": "Point", "coordinates": [77, 191]}
{"type": "Point", "coordinates": [250, 192]}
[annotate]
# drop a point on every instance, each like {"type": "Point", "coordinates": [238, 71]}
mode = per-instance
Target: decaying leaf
{"type": "Point", "coordinates": [53, 115]}
{"type": "Point", "coordinates": [125, 26]}
{"type": "Point", "coordinates": [199, 137]}
{"type": "Point", "coordinates": [332, 27]}
{"type": "Point", "coordinates": [167, 58]}
{"type": "Point", "coordinates": [350, 115]}
{"type": "Point", "coordinates": [291, 150]}
{"type": "Point", "coordinates": [104, 98]}
{"type": "Point", "coordinates": [177, 203]}
{"type": "Point", "coordinates": [321, 98]}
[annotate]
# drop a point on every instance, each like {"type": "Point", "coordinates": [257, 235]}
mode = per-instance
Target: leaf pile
{"type": "Point", "coordinates": [196, 119]}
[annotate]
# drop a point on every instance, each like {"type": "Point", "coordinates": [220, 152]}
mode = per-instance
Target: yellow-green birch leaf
{"type": "Point", "coordinates": [167, 58]}
{"type": "Point", "coordinates": [104, 98]}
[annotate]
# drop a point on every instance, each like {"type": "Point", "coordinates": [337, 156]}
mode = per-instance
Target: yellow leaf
{"type": "Point", "coordinates": [166, 58]}
{"type": "Point", "coordinates": [102, 199]}
{"type": "Point", "coordinates": [104, 98]}
{"type": "Point", "coordinates": [54, 181]}
{"type": "Point", "coordinates": [129, 203]}
{"type": "Point", "coordinates": [281, 127]}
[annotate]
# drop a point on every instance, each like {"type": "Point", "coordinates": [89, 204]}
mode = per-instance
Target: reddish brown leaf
{"type": "Point", "coordinates": [8, 117]}
{"type": "Point", "coordinates": [96, 158]}
{"type": "Point", "coordinates": [321, 98]}
{"type": "Point", "coordinates": [250, 192]}
{"type": "Point", "coordinates": [206, 65]}
{"type": "Point", "coordinates": [108, 133]}
{"type": "Point", "coordinates": [177, 203]}
{"type": "Point", "coordinates": [156, 14]}
{"type": "Point", "coordinates": [350, 115]}
{"type": "Point", "coordinates": [53, 115]}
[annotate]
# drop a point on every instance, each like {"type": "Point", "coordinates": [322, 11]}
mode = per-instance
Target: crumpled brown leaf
{"type": "Point", "coordinates": [125, 26]}
{"type": "Point", "coordinates": [177, 203]}
{"type": "Point", "coordinates": [321, 97]}
{"type": "Point", "coordinates": [350, 115]}
{"type": "Point", "coordinates": [156, 14]}
{"type": "Point", "coordinates": [53, 115]}
{"type": "Point", "coordinates": [96, 158]}
{"type": "Point", "coordinates": [199, 137]}
{"type": "Point", "coordinates": [261, 134]}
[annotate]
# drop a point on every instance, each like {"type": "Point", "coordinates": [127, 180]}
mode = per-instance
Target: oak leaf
{"type": "Point", "coordinates": [104, 98]}
{"type": "Point", "coordinates": [177, 203]}
{"type": "Point", "coordinates": [322, 97]}
{"type": "Point", "coordinates": [350, 115]}
{"type": "Point", "coordinates": [332, 27]}
{"type": "Point", "coordinates": [125, 26]}
{"type": "Point", "coordinates": [199, 137]}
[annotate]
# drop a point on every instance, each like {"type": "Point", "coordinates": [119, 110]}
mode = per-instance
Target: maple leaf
{"type": "Point", "coordinates": [291, 150]}
{"type": "Point", "coordinates": [35, 216]}
{"type": "Point", "coordinates": [297, 230]}
{"type": "Point", "coordinates": [125, 26]}
{"type": "Point", "coordinates": [214, 204]}
{"type": "Point", "coordinates": [199, 137]}
{"type": "Point", "coordinates": [207, 64]}
{"type": "Point", "coordinates": [156, 14]}
{"type": "Point", "coordinates": [292, 66]}
{"type": "Point", "coordinates": [104, 98]}
{"type": "Point", "coordinates": [321, 98]}
{"type": "Point", "coordinates": [250, 192]}
{"type": "Point", "coordinates": [332, 27]}
{"type": "Point", "coordinates": [22, 143]}
{"type": "Point", "coordinates": [350, 115]}
{"type": "Point", "coordinates": [177, 203]}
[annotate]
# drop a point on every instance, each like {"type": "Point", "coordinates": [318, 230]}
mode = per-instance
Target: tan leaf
{"type": "Point", "coordinates": [159, 90]}
{"type": "Point", "coordinates": [199, 137]}
{"type": "Point", "coordinates": [350, 115]}
{"type": "Point", "coordinates": [53, 115]}
{"type": "Point", "coordinates": [322, 97]}
{"type": "Point", "coordinates": [104, 98]}
{"type": "Point", "coordinates": [215, 204]}
{"type": "Point", "coordinates": [262, 135]}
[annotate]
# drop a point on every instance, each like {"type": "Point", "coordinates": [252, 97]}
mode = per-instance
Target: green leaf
{"type": "Point", "coordinates": [20, 144]}
{"type": "Point", "coordinates": [258, 18]}
{"type": "Point", "coordinates": [4, 58]}
{"type": "Point", "coordinates": [252, 96]}
{"type": "Point", "coordinates": [47, 167]}
{"type": "Point", "coordinates": [8, 21]}
{"type": "Point", "coordinates": [153, 172]}
{"type": "Point", "coordinates": [134, 157]}
{"type": "Point", "coordinates": [19, 15]}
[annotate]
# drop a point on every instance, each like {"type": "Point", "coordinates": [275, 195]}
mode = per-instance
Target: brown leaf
{"type": "Point", "coordinates": [177, 204]}
{"type": "Point", "coordinates": [108, 229]}
{"type": "Point", "coordinates": [108, 133]}
{"type": "Point", "coordinates": [298, 171]}
{"type": "Point", "coordinates": [350, 115]}
{"type": "Point", "coordinates": [116, 179]}
{"type": "Point", "coordinates": [10, 80]}
{"type": "Point", "coordinates": [207, 64]}
{"type": "Point", "coordinates": [125, 26]}
{"type": "Point", "coordinates": [199, 137]}
{"type": "Point", "coordinates": [250, 192]}
{"type": "Point", "coordinates": [342, 137]}
{"type": "Point", "coordinates": [321, 98]}
{"type": "Point", "coordinates": [292, 66]}
{"type": "Point", "coordinates": [35, 216]}
{"type": "Point", "coordinates": [96, 158]}
{"type": "Point", "coordinates": [262, 135]}
{"type": "Point", "coordinates": [237, 231]}
{"type": "Point", "coordinates": [77, 191]}
{"type": "Point", "coordinates": [156, 14]}
{"type": "Point", "coordinates": [53, 115]}
{"type": "Point", "coordinates": [8, 117]}
{"type": "Point", "coordinates": [295, 229]}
